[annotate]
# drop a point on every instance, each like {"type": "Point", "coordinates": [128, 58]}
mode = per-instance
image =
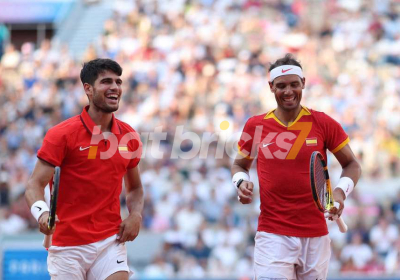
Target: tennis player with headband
{"type": "Point", "coordinates": [292, 239]}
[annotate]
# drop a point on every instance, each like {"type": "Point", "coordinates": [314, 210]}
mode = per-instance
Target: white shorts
{"type": "Point", "coordinates": [287, 257]}
{"type": "Point", "coordinates": [95, 261]}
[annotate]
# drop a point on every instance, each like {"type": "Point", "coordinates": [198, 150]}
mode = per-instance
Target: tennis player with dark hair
{"type": "Point", "coordinates": [292, 239]}
{"type": "Point", "coordinates": [95, 152]}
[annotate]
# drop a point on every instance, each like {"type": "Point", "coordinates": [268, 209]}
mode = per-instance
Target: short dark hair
{"type": "Point", "coordinates": [288, 59]}
{"type": "Point", "coordinates": [91, 70]}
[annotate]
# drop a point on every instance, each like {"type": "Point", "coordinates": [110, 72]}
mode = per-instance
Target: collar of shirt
{"type": "Point", "coordinates": [271, 115]}
{"type": "Point", "coordinates": [89, 123]}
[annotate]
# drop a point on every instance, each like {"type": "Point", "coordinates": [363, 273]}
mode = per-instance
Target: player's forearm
{"type": "Point", "coordinates": [353, 171]}
{"type": "Point", "coordinates": [135, 200]}
{"type": "Point", "coordinates": [34, 192]}
{"type": "Point", "coordinates": [40, 177]}
{"type": "Point", "coordinates": [237, 168]}
{"type": "Point", "coordinates": [241, 165]}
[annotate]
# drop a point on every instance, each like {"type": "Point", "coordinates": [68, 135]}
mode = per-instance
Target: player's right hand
{"type": "Point", "coordinates": [245, 192]}
{"type": "Point", "coordinates": [43, 224]}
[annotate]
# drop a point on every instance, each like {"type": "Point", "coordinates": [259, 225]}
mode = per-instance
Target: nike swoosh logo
{"type": "Point", "coordinates": [284, 71]}
{"type": "Point", "coordinates": [119, 261]}
{"type": "Point", "coordinates": [40, 208]}
{"type": "Point", "coordinates": [82, 149]}
{"type": "Point", "coordinates": [265, 145]}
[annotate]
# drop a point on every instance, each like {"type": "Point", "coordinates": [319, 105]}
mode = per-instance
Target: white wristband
{"type": "Point", "coordinates": [239, 175]}
{"type": "Point", "coordinates": [38, 208]}
{"type": "Point", "coordinates": [346, 184]}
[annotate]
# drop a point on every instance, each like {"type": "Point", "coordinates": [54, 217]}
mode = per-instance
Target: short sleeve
{"type": "Point", "coordinates": [54, 147]}
{"type": "Point", "coordinates": [336, 138]}
{"type": "Point", "coordinates": [135, 146]}
{"type": "Point", "coordinates": [246, 142]}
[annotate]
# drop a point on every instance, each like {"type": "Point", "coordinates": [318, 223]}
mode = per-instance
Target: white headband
{"type": "Point", "coordinates": [285, 70]}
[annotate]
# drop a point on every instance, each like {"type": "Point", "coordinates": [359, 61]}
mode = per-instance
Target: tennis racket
{"type": "Point", "coordinates": [321, 187]}
{"type": "Point", "coordinates": [53, 206]}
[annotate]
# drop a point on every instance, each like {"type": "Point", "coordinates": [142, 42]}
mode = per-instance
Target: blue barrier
{"type": "Point", "coordinates": [25, 264]}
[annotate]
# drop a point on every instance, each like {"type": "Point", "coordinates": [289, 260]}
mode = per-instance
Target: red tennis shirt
{"type": "Point", "coordinates": [283, 160]}
{"type": "Point", "coordinates": [91, 178]}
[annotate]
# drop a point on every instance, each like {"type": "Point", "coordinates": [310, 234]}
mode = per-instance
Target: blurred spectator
{"type": "Point", "coordinates": [396, 208]}
{"type": "Point", "coordinates": [11, 58]}
{"type": "Point", "coordinates": [375, 266]}
{"type": "Point", "coordinates": [190, 268]}
{"type": "Point", "coordinates": [392, 260]}
{"type": "Point", "coordinates": [383, 235]}
{"type": "Point", "coordinates": [189, 219]}
{"type": "Point", "coordinates": [356, 254]}
{"type": "Point", "coordinates": [200, 251]}
{"type": "Point", "coordinates": [4, 189]}
{"type": "Point", "coordinates": [211, 208]}
{"type": "Point", "coordinates": [350, 269]}
{"type": "Point", "coordinates": [17, 218]}
{"type": "Point", "coordinates": [159, 269]}
{"type": "Point", "coordinates": [225, 254]}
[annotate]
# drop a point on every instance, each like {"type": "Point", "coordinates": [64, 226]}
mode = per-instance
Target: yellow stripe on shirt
{"type": "Point", "coordinates": [243, 154]}
{"type": "Point", "coordinates": [344, 143]}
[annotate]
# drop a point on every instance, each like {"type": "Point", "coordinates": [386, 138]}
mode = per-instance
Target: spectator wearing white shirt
{"type": "Point", "coordinates": [383, 235]}
{"type": "Point", "coordinates": [392, 260]}
{"type": "Point", "coordinates": [357, 251]}
{"type": "Point", "coordinates": [189, 219]}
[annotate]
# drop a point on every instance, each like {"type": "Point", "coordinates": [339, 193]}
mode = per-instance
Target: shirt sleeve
{"type": "Point", "coordinates": [135, 146]}
{"type": "Point", "coordinates": [336, 138]}
{"type": "Point", "coordinates": [54, 147]}
{"type": "Point", "coordinates": [246, 145]}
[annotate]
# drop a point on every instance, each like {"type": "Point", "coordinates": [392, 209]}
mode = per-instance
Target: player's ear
{"type": "Point", "coordinates": [88, 88]}
{"type": "Point", "coordinates": [271, 85]}
{"type": "Point", "coordinates": [304, 82]}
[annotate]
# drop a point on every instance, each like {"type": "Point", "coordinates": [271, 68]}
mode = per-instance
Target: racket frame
{"type": "Point", "coordinates": [330, 202]}
{"type": "Point", "coordinates": [53, 206]}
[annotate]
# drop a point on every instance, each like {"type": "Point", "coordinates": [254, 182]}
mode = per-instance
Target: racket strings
{"type": "Point", "coordinates": [320, 183]}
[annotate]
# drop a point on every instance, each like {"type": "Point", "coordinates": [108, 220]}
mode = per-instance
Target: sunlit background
{"type": "Point", "coordinates": [198, 63]}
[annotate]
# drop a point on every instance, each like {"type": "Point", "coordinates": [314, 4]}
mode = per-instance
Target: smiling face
{"type": "Point", "coordinates": [106, 92]}
{"type": "Point", "coordinates": [288, 91]}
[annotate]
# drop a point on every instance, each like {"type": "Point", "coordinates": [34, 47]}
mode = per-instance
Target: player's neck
{"type": "Point", "coordinates": [101, 118]}
{"type": "Point", "coordinates": [287, 117]}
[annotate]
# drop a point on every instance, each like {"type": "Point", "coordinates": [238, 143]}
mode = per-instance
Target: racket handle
{"type": "Point", "coordinates": [341, 224]}
{"type": "Point", "coordinates": [47, 241]}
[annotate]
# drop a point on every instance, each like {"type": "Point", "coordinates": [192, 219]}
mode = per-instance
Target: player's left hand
{"type": "Point", "coordinates": [129, 228]}
{"type": "Point", "coordinates": [338, 197]}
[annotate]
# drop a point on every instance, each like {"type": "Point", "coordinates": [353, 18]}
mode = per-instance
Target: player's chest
{"type": "Point", "coordinates": [105, 152]}
{"type": "Point", "coordinates": [296, 142]}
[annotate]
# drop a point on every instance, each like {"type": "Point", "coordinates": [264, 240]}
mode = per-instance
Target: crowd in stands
{"type": "Point", "coordinates": [197, 63]}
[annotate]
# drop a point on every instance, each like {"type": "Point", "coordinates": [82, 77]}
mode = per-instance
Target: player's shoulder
{"type": "Point", "coordinates": [255, 120]}
{"type": "Point", "coordinates": [322, 118]}
{"type": "Point", "coordinates": [66, 127]}
{"type": "Point", "coordinates": [314, 113]}
{"type": "Point", "coordinates": [319, 115]}
{"type": "Point", "coordinates": [124, 126]}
